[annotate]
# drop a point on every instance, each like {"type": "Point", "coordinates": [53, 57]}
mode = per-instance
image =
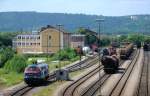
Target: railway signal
{"type": "Point", "coordinates": [99, 23]}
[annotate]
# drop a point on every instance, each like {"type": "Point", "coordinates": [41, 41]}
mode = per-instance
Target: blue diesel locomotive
{"type": "Point", "coordinates": [36, 73]}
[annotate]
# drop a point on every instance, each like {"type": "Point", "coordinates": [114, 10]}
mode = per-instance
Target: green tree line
{"type": "Point", "coordinates": [6, 38]}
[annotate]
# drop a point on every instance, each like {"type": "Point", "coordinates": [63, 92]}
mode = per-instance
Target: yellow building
{"type": "Point", "coordinates": [48, 40]}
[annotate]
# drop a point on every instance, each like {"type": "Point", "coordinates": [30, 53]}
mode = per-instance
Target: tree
{"type": "Point", "coordinates": [105, 42]}
{"type": "Point", "coordinates": [147, 39]}
{"type": "Point", "coordinates": [90, 37]}
{"type": "Point", "coordinates": [6, 38]}
{"type": "Point", "coordinates": [5, 54]}
{"type": "Point", "coordinates": [81, 30]}
{"type": "Point", "coordinates": [65, 54]}
{"type": "Point", "coordinates": [135, 38]}
{"type": "Point", "coordinates": [123, 38]}
{"type": "Point", "coordinates": [16, 64]}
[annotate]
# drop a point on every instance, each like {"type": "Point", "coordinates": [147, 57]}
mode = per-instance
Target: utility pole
{"type": "Point", "coordinates": [99, 23]}
{"type": "Point", "coordinates": [59, 28]}
{"type": "Point", "coordinates": [47, 45]}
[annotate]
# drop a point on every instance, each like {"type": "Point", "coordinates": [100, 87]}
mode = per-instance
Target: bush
{"type": "Point", "coordinates": [65, 54]}
{"type": "Point", "coordinates": [135, 38]}
{"type": "Point", "coordinates": [16, 64]}
{"type": "Point", "coordinates": [6, 38]}
{"type": "Point", "coordinates": [5, 54]}
{"type": "Point", "coordinates": [147, 39]}
{"type": "Point", "coordinates": [38, 55]}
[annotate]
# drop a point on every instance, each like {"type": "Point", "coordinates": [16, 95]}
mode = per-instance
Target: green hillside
{"type": "Point", "coordinates": [27, 21]}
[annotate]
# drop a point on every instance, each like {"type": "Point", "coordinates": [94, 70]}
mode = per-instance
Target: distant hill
{"type": "Point", "coordinates": [27, 21]}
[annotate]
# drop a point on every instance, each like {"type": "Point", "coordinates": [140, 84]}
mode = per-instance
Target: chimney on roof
{"type": "Point", "coordinates": [43, 28]}
{"type": "Point", "coordinates": [49, 26]}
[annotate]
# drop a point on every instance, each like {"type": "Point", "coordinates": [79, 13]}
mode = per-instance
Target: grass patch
{"type": "Point", "coordinates": [50, 90]}
{"type": "Point", "coordinates": [52, 65]}
{"type": "Point", "coordinates": [73, 74]}
{"type": "Point", "coordinates": [9, 79]}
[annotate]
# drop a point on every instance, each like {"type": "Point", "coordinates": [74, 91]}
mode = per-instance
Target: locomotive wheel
{"type": "Point", "coordinates": [106, 71]}
{"type": "Point", "coordinates": [46, 78]}
{"type": "Point", "coordinates": [117, 65]}
{"type": "Point", "coordinates": [109, 71]}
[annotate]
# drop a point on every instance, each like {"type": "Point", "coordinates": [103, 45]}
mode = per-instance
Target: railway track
{"type": "Point", "coordinates": [144, 84]}
{"type": "Point", "coordinates": [91, 90]}
{"type": "Point", "coordinates": [72, 89]}
{"type": "Point", "coordinates": [83, 64]}
{"type": "Point", "coordinates": [119, 87]}
{"type": "Point", "coordinates": [94, 86]}
{"type": "Point", "coordinates": [22, 91]}
{"type": "Point", "coordinates": [78, 66]}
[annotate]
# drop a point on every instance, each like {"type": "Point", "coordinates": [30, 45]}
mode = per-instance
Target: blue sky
{"type": "Point", "coordinates": [98, 7]}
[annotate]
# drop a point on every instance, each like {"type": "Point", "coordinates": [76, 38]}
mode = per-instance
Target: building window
{"type": "Point", "coordinates": [31, 37]}
{"type": "Point", "coordinates": [23, 44]}
{"type": "Point", "coordinates": [49, 37]}
{"type": "Point", "coordinates": [38, 37]}
{"type": "Point", "coordinates": [34, 38]}
{"type": "Point", "coordinates": [19, 37]}
{"type": "Point", "coordinates": [27, 37]}
{"type": "Point", "coordinates": [19, 43]}
{"type": "Point", "coordinates": [23, 37]}
{"type": "Point", "coordinates": [27, 44]}
{"type": "Point", "coordinates": [38, 44]}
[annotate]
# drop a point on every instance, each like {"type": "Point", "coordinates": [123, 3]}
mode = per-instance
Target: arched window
{"type": "Point", "coordinates": [49, 37]}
